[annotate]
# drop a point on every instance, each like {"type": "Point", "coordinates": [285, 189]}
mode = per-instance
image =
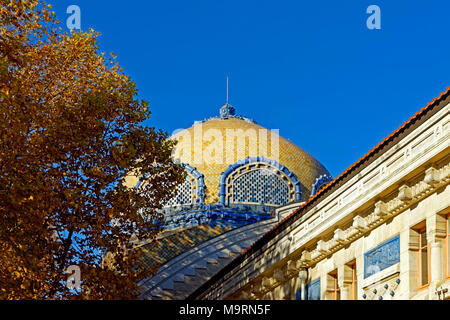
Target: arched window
{"type": "Point", "coordinates": [191, 191]}
{"type": "Point", "coordinates": [260, 186]}
{"type": "Point", "coordinates": [184, 193]}
{"type": "Point", "coordinates": [258, 181]}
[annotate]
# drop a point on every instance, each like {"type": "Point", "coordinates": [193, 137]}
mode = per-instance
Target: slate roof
{"type": "Point", "coordinates": [164, 249]}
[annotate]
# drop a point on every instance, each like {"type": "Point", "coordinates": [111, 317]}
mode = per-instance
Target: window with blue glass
{"type": "Point", "coordinates": [312, 291]}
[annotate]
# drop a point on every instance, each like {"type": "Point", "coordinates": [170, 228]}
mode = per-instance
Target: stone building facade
{"type": "Point", "coordinates": [378, 231]}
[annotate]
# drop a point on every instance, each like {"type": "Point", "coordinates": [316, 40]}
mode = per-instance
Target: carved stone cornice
{"type": "Point", "coordinates": [407, 196]}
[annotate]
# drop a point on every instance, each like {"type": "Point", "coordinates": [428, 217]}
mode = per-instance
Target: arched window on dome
{"type": "Point", "coordinates": [191, 191]}
{"type": "Point", "coordinates": [258, 181]}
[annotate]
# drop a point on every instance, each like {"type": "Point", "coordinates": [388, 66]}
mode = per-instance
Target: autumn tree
{"type": "Point", "coordinates": [71, 132]}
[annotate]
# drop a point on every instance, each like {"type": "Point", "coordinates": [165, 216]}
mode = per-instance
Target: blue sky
{"type": "Point", "coordinates": [311, 69]}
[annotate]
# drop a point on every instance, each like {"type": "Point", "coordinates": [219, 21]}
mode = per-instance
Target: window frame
{"type": "Point", "coordinates": [335, 292]}
{"type": "Point", "coordinates": [422, 233]}
{"type": "Point", "coordinates": [446, 252]}
{"type": "Point", "coordinates": [354, 283]}
{"type": "Point", "coordinates": [239, 188]}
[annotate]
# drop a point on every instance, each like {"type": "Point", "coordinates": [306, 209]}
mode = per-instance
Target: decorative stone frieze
{"type": "Point", "coordinates": [256, 288]}
{"type": "Point", "coordinates": [381, 210]}
{"type": "Point", "coordinates": [339, 236]}
{"type": "Point", "coordinates": [268, 283]}
{"type": "Point", "coordinates": [279, 275]}
{"type": "Point", "coordinates": [382, 290]}
{"type": "Point", "coordinates": [431, 176]}
{"type": "Point", "coordinates": [292, 267]}
{"type": "Point", "coordinates": [322, 247]}
{"type": "Point", "coordinates": [404, 193]}
{"type": "Point", "coordinates": [359, 223]}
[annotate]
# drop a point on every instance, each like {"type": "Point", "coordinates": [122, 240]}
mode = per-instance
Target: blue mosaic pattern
{"type": "Point", "coordinates": [260, 186]}
{"type": "Point", "coordinates": [321, 182]}
{"type": "Point", "coordinates": [312, 291]}
{"type": "Point", "coordinates": [214, 215]}
{"type": "Point", "coordinates": [382, 257]}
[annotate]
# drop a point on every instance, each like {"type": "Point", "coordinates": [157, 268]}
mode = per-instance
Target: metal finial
{"type": "Point", "coordinates": [227, 87]}
{"type": "Point", "coordinates": [227, 110]}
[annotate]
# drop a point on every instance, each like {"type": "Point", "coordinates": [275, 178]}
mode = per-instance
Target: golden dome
{"type": "Point", "coordinates": [211, 146]}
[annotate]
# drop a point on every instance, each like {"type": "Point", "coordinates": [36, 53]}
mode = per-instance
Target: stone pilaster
{"type": "Point", "coordinates": [436, 231]}
{"type": "Point", "coordinates": [345, 278]}
{"type": "Point", "coordinates": [409, 269]}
